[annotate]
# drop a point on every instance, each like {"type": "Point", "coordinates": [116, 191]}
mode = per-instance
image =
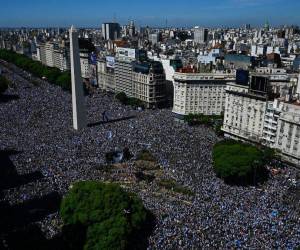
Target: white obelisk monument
{"type": "Point", "coordinates": [79, 112]}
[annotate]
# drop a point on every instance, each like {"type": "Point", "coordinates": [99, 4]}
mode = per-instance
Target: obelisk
{"type": "Point", "coordinates": [79, 112]}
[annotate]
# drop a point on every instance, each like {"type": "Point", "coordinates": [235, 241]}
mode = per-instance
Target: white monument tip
{"type": "Point", "coordinates": [73, 28]}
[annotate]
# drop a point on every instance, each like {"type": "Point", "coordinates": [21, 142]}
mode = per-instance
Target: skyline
{"type": "Point", "coordinates": [91, 13]}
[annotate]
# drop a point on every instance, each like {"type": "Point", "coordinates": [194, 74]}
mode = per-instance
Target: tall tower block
{"type": "Point", "coordinates": [79, 112]}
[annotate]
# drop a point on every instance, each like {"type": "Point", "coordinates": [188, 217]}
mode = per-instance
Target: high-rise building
{"type": "Point", "coordinates": [49, 48]}
{"type": "Point", "coordinates": [267, 26]}
{"type": "Point", "coordinates": [45, 53]}
{"type": "Point", "coordinates": [154, 38]}
{"type": "Point", "coordinates": [123, 70]}
{"type": "Point", "coordinates": [111, 31]}
{"type": "Point", "coordinates": [41, 53]}
{"type": "Point", "coordinates": [200, 35]}
{"type": "Point", "coordinates": [106, 74]}
{"type": "Point", "coordinates": [131, 28]}
{"type": "Point", "coordinates": [84, 63]}
{"type": "Point", "coordinates": [61, 59]}
{"type": "Point", "coordinates": [247, 26]}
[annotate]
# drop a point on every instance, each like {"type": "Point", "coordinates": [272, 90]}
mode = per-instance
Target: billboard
{"type": "Point", "coordinates": [126, 52]}
{"type": "Point", "coordinates": [93, 58]}
{"type": "Point", "coordinates": [110, 62]}
{"type": "Point", "coordinates": [242, 77]}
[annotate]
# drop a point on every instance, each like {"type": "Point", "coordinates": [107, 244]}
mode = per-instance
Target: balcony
{"type": "Point", "coordinates": [268, 139]}
{"type": "Point", "coordinates": [271, 127]}
{"type": "Point", "coordinates": [271, 121]}
{"type": "Point", "coordinates": [270, 133]}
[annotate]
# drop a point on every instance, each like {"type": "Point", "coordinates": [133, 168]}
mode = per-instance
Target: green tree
{"type": "Point", "coordinates": [64, 80]}
{"type": "Point", "coordinates": [53, 75]}
{"type": "Point", "coordinates": [109, 215]}
{"type": "Point", "coordinates": [218, 129]}
{"type": "Point", "coordinates": [134, 102]}
{"type": "Point", "coordinates": [122, 97]}
{"type": "Point", "coordinates": [197, 119]}
{"type": "Point", "coordinates": [239, 162]}
{"type": "Point", "coordinates": [3, 84]}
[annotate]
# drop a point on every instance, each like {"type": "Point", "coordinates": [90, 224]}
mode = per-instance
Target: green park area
{"type": "Point", "coordinates": [130, 101]}
{"type": "Point", "coordinates": [241, 163]}
{"type": "Point", "coordinates": [100, 215]}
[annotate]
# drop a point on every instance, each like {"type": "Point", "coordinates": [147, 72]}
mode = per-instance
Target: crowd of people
{"type": "Point", "coordinates": [216, 216]}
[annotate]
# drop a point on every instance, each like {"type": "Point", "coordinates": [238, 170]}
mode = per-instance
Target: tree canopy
{"type": "Point", "coordinates": [240, 162]}
{"type": "Point", "coordinates": [131, 101]}
{"type": "Point", "coordinates": [215, 121]}
{"type": "Point", "coordinates": [109, 215]}
{"type": "Point", "coordinates": [53, 75]}
{"type": "Point", "coordinates": [3, 84]}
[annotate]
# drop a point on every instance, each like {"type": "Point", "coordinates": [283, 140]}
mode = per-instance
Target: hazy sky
{"type": "Point", "coordinates": [148, 12]}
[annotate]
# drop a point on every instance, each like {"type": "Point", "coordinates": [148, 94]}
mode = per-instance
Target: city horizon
{"type": "Point", "coordinates": [228, 13]}
{"type": "Point", "coordinates": [154, 27]}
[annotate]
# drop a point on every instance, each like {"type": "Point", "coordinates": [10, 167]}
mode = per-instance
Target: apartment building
{"type": "Point", "coordinates": [200, 93]}
{"type": "Point", "coordinates": [61, 59]}
{"type": "Point", "coordinates": [106, 75]}
{"type": "Point", "coordinates": [282, 128]}
{"type": "Point", "coordinates": [288, 135]}
{"type": "Point", "coordinates": [41, 53]}
{"type": "Point", "coordinates": [149, 83]}
{"type": "Point", "coordinates": [84, 63]}
{"type": "Point", "coordinates": [132, 73]}
{"type": "Point", "coordinates": [123, 75]}
{"type": "Point", "coordinates": [245, 109]}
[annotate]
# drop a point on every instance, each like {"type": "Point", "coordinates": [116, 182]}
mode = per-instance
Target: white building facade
{"type": "Point", "coordinates": [106, 77]}
{"type": "Point", "coordinates": [244, 113]}
{"type": "Point", "coordinates": [282, 128]}
{"type": "Point", "coordinates": [288, 136]}
{"type": "Point", "coordinates": [200, 93]}
{"type": "Point", "coordinates": [49, 49]}
{"type": "Point", "coordinates": [200, 35]}
{"type": "Point", "coordinates": [61, 59]}
{"type": "Point", "coordinates": [84, 64]}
